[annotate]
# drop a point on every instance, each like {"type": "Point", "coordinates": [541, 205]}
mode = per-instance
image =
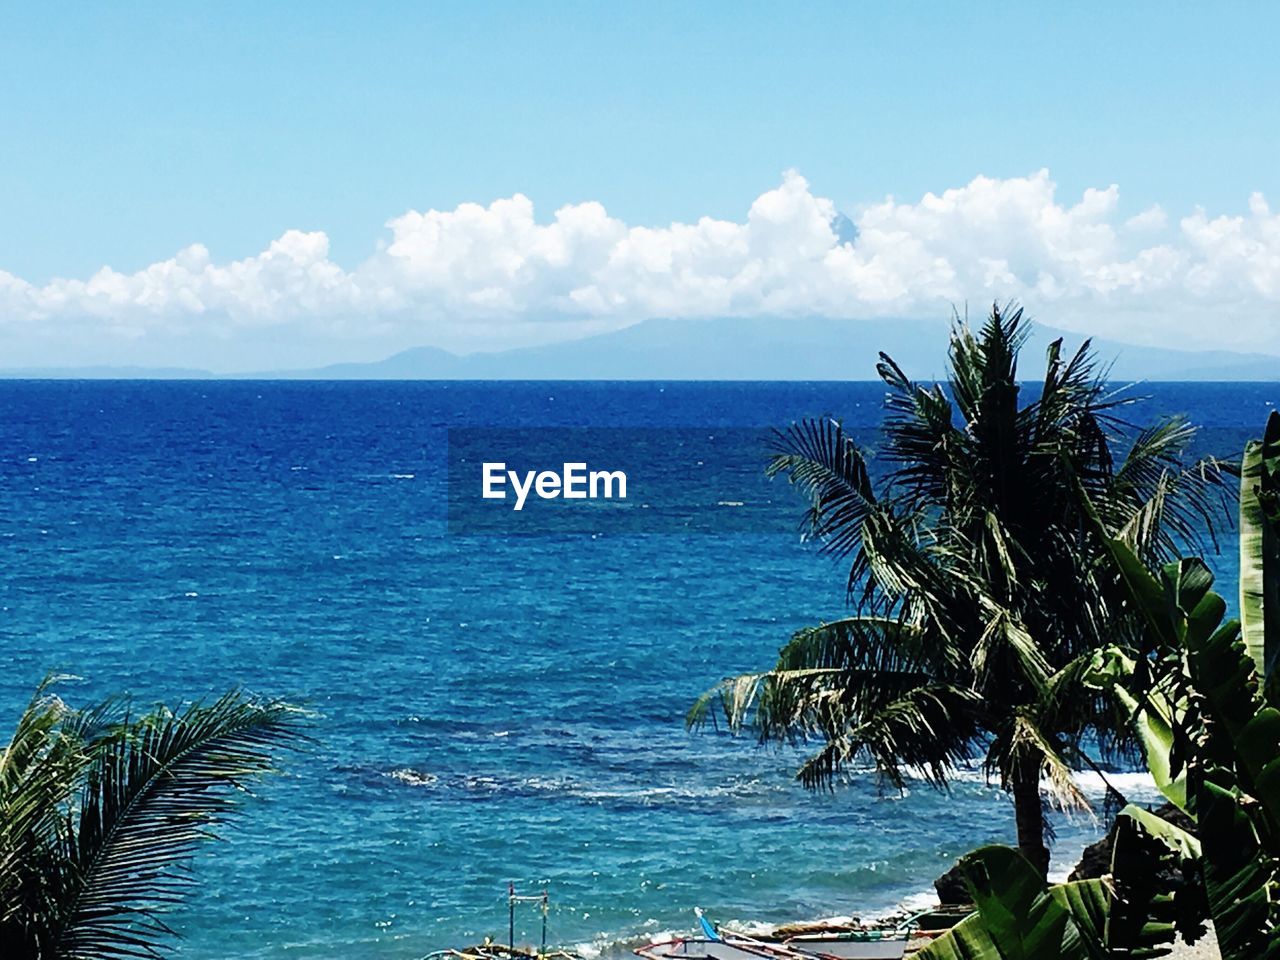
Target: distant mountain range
{"type": "Point", "coordinates": [724, 349]}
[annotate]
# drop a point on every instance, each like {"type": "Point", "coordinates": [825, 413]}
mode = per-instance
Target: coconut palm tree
{"type": "Point", "coordinates": [978, 585]}
{"type": "Point", "coordinates": [101, 809]}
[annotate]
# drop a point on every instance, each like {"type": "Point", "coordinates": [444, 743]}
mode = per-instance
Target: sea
{"type": "Point", "coordinates": [490, 705]}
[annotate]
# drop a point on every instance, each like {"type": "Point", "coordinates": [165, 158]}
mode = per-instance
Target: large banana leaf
{"type": "Point", "coordinates": [1153, 717]}
{"type": "Point", "coordinates": [1155, 885]}
{"type": "Point", "coordinates": [1184, 845]}
{"type": "Point", "coordinates": [1260, 548]}
{"type": "Point", "coordinates": [1133, 914]}
{"type": "Point", "coordinates": [1019, 917]}
{"type": "Point", "coordinates": [1212, 742]}
{"type": "Point", "coordinates": [1244, 735]}
{"type": "Point", "coordinates": [1241, 876]}
{"type": "Point", "coordinates": [1237, 798]}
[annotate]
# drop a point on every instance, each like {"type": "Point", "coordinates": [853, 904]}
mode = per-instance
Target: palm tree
{"type": "Point", "coordinates": [100, 810]}
{"type": "Point", "coordinates": [978, 585]}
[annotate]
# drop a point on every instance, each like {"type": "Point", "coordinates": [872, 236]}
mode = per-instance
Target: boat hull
{"type": "Point", "coordinates": [845, 949]}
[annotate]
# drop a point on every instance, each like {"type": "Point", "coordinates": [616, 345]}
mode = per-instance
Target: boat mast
{"type": "Point", "coordinates": [512, 900]}
{"type": "Point", "coordinates": [544, 923]}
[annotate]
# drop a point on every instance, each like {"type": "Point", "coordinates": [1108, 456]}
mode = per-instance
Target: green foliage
{"type": "Point", "coordinates": [1201, 694]}
{"type": "Point", "coordinates": [1156, 886]}
{"type": "Point", "coordinates": [1133, 914]}
{"type": "Point", "coordinates": [1019, 917]}
{"type": "Point", "coordinates": [976, 575]}
{"type": "Point", "coordinates": [100, 811]}
{"type": "Point", "coordinates": [1260, 548]}
{"type": "Point", "coordinates": [1211, 735]}
{"type": "Point", "coordinates": [1236, 773]}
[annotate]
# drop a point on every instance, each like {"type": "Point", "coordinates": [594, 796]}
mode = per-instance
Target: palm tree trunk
{"type": "Point", "coordinates": [1029, 812]}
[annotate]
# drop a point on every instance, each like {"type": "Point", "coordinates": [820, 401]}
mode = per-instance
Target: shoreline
{"type": "Point", "coordinates": [921, 900]}
{"type": "Point", "coordinates": [1204, 949]}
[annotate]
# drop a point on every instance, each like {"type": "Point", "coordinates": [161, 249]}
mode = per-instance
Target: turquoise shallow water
{"type": "Point", "coordinates": [489, 708]}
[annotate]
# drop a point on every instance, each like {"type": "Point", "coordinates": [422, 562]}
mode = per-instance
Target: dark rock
{"type": "Point", "coordinates": [1095, 862]}
{"type": "Point", "coordinates": [951, 888]}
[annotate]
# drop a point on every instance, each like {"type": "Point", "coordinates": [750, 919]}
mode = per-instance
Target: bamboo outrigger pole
{"type": "Point", "coordinates": [512, 900]}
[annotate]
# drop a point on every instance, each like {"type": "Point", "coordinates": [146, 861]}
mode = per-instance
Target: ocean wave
{"type": "Point", "coordinates": [573, 788]}
{"type": "Point", "coordinates": [414, 778]}
{"type": "Point", "coordinates": [1137, 787]}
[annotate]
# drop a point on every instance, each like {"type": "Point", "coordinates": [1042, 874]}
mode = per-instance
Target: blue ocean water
{"type": "Point", "coordinates": [488, 708]}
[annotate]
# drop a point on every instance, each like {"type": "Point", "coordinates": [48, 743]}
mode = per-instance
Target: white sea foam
{"type": "Point", "coordinates": [919, 902]}
{"type": "Point", "coordinates": [413, 778]}
{"type": "Point", "coordinates": [1134, 785]}
{"type": "Point", "coordinates": [1138, 785]}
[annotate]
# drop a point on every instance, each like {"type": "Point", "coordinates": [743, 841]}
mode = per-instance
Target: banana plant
{"type": "Point", "coordinates": [1131, 914]}
{"type": "Point", "coordinates": [1020, 917]}
{"type": "Point", "coordinates": [1210, 729]}
{"type": "Point", "coordinates": [1260, 549]}
{"type": "Point", "coordinates": [1204, 697]}
{"type": "Point", "coordinates": [1162, 882]}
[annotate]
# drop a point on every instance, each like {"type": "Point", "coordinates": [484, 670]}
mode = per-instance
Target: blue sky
{"type": "Point", "coordinates": [135, 131]}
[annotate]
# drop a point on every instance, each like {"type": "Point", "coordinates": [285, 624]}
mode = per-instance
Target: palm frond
{"type": "Point", "coordinates": [819, 458]}
{"type": "Point", "coordinates": [1056, 763]}
{"type": "Point", "coordinates": [864, 686]}
{"type": "Point", "coordinates": [1160, 506]}
{"type": "Point", "coordinates": [921, 439]}
{"type": "Point", "coordinates": [153, 792]}
{"type": "Point", "coordinates": [1005, 639]}
{"type": "Point", "coordinates": [822, 677]}
{"type": "Point", "coordinates": [984, 366]}
{"type": "Point", "coordinates": [928, 731]}
{"type": "Point", "coordinates": [734, 696]}
{"type": "Point", "coordinates": [41, 769]}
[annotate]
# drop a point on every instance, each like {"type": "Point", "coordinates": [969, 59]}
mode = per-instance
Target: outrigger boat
{"type": "Point", "coordinates": [844, 943]}
{"type": "Point", "coordinates": [851, 941]}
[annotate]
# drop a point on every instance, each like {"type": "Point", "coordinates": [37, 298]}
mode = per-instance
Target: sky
{"type": "Point", "coordinates": [249, 186]}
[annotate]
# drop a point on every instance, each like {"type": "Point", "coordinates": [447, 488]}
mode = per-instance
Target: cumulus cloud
{"type": "Point", "coordinates": [1077, 263]}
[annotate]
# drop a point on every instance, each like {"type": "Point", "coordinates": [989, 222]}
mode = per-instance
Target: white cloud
{"type": "Point", "coordinates": [1205, 279]}
{"type": "Point", "coordinates": [1152, 218]}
